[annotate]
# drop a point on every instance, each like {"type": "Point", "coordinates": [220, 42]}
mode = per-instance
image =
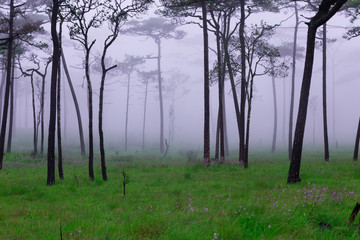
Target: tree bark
{"type": "Point", "coordinates": [54, 75]}
{"type": "Point", "coordinates": [242, 157]}
{"type": "Point", "coordinates": [326, 138]}
{"type": "Point", "coordinates": [273, 146]}
{"type": "Point", "coordinates": [291, 113]}
{"type": "Point", "coordinates": [76, 104]}
{"type": "Point", "coordinates": [8, 82]}
{"type": "Point", "coordinates": [356, 149]}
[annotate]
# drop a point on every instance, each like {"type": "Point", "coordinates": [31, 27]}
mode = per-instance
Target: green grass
{"type": "Point", "coordinates": [171, 199]}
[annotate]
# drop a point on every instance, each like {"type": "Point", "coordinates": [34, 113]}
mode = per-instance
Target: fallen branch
{"type": "Point", "coordinates": [354, 212]}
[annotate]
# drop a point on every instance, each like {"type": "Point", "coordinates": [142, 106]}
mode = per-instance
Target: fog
{"type": "Point", "coordinates": [184, 58]}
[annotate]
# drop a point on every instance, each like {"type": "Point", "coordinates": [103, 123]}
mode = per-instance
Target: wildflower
{"type": "Point", "coordinates": [269, 226]}
{"type": "Point", "coordinates": [79, 231]}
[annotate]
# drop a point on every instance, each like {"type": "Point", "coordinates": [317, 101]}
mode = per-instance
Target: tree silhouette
{"type": "Point", "coordinates": [157, 29]}
{"type": "Point", "coordinates": [127, 67]}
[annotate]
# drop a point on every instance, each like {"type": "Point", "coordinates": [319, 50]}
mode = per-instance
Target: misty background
{"type": "Point", "coordinates": [184, 59]}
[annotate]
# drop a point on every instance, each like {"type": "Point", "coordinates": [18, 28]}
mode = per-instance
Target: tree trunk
{"type": "Point", "coordinates": [233, 86]}
{"type": "Point", "coordinates": [242, 158]}
{"type": "Point", "coordinates": [327, 9]}
{"type": "Point", "coordinates": [284, 113]}
{"type": "Point", "coordinates": [8, 82]}
{"type": "Point", "coordinates": [206, 157]}
{"type": "Point", "coordinates": [127, 112]}
{"type": "Point", "coordinates": [293, 81]}
{"type": "Point", "coordinates": [144, 119]}
{"type": "Point", "coordinates": [326, 138]}
{"type": "Point", "coordinates": [11, 117]}
{"type": "Point", "coordinates": [248, 121]}
{"type": "Point", "coordinates": [76, 104]}
{"type": "Point", "coordinates": [294, 171]}
{"type": "Point", "coordinates": [104, 70]}
{"type": "Point", "coordinates": [221, 98]}
{"type": "Point", "coordinates": [226, 140]}
{"type": "Point", "coordinates": [217, 137]}
{"type": "Point", "coordinates": [77, 109]}
{"type": "Point", "coordinates": [54, 75]}
{"type": "Point", "coordinates": [158, 42]}
{"type": "Point", "coordinates": [356, 149]}
{"type": "Point", "coordinates": [90, 109]}
{"type": "Point", "coordinates": [273, 147]}
{"type": "Point", "coordinates": [58, 111]}
{"type": "Point", "coordinates": [3, 80]}
{"type": "Point", "coordinates": [34, 116]}
{"type": "Point", "coordinates": [42, 103]}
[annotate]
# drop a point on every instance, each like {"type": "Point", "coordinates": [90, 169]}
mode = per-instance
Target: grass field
{"type": "Point", "coordinates": [172, 198]}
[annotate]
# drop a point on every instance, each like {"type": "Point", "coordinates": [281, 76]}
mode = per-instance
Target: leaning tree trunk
{"type": "Point", "coordinates": [273, 147]}
{"type": "Point", "coordinates": [206, 156]}
{"type": "Point", "coordinates": [76, 104]}
{"type": "Point", "coordinates": [327, 9]}
{"type": "Point", "coordinates": [233, 86]}
{"type": "Point", "coordinates": [54, 75]}
{"type": "Point", "coordinates": [294, 171]}
{"type": "Point", "coordinates": [356, 149]}
{"type": "Point", "coordinates": [11, 117]}
{"type": "Point", "coordinates": [127, 112]}
{"type": "Point", "coordinates": [160, 97]}
{"type": "Point", "coordinates": [242, 152]}
{"type": "Point", "coordinates": [291, 113]}
{"type": "Point", "coordinates": [326, 138]}
{"type": "Point", "coordinates": [8, 82]}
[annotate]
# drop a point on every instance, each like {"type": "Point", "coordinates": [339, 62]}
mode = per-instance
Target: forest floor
{"type": "Point", "coordinates": [178, 198]}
